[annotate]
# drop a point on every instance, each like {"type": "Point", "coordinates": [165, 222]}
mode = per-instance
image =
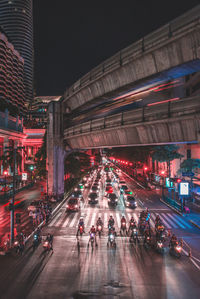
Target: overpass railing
{"type": "Point", "coordinates": [161, 111]}
{"type": "Point", "coordinates": [175, 29]}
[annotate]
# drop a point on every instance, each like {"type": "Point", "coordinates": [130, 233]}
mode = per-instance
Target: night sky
{"type": "Point", "coordinates": [71, 37]}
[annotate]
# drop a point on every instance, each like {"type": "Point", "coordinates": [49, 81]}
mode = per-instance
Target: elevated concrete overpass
{"type": "Point", "coordinates": [169, 52]}
{"type": "Point", "coordinates": [168, 122]}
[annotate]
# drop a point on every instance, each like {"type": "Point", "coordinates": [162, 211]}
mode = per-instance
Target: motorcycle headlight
{"type": "Point", "coordinates": [178, 248]}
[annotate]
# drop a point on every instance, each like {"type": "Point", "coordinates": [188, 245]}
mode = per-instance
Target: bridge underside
{"type": "Point", "coordinates": [171, 58]}
{"type": "Point", "coordinates": [172, 122]}
{"type": "Point", "coordinates": [149, 133]}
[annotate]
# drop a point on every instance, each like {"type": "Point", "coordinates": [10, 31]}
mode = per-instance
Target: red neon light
{"type": "Point", "coordinates": [162, 102]}
{"type": "Point", "coordinates": [5, 172]}
{"type": "Point", "coordinates": [131, 164]}
{"type": "Point", "coordinates": [145, 168]}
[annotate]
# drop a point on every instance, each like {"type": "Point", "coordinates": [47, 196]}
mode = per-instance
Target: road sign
{"type": "Point", "coordinates": [187, 173]}
{"type": "Point", "coordinates": [184, 189]}
{"type": "Point", "coordinates": [24, 176]}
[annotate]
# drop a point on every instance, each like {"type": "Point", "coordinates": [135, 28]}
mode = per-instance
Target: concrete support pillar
{"type": "Point", "coordinates": [55, 150]}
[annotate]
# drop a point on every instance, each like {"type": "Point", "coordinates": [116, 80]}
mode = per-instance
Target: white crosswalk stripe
{"type": "Point", "coordinates": [170, 221]}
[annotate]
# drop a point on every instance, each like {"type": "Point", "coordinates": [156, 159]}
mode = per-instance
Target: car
{"type": "Point", "coordinates": [108, 190]}
{"type": "Point", "coordinates": [93, 198]}
{"type": "Point", "coordinates": [95, 189]}
{"type": "Point", "coordinates": [77, 194]}
{"type": "Point", "coordinates": [112, 199]}
{"type": "Point", "coordinates": [130, 202]}
{"type": "Point", "coordinates": [73, 204]}
{"type": "Point", "coordinates": [108, 180]}
{"type": "Point", "coordinates": [79, 187]}
{"type": "Point", "coordinates": [127, 193]}
{"type": "Point", "coordinates": [123, 188]}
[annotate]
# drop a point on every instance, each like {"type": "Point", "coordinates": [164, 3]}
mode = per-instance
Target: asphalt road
{"type": "Point", "coordinates": [130, 271]}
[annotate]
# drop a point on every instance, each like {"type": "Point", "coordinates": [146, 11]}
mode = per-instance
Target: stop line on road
{"type": "Point", "coordinates": [171, 221]}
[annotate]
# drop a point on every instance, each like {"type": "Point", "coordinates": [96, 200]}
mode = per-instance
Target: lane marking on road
{"type": "Point", "coordinates": [93, 218]}
{"type": "Point", "coordinates": [182, 221]}
{"type": "Point", "coordinates": [172, 223]}
{"type": "Point", "coordinates": [118, 219]}
{"type": "Point", "coordinates": [73, 220]}
{"type": "Point", "coordinates": [55, 219]}
{"type": "Point", "coordinates": [66, 222]}
{"type": "Point", "coordinates": [105, 219]}
{"type": "Point", "coordinates": [163, 220]}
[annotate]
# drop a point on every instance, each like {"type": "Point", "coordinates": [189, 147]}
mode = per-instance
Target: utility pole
{"type": "Point", "coordinates": [12, 214]}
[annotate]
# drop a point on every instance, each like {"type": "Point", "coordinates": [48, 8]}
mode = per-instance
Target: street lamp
{"type": "Point", "coordinates": [5, 174]}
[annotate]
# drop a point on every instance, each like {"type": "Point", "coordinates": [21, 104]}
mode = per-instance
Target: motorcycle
{"type": "Point", "coordinates": [46, 245]}
{"type": "Point", "coordinates": [99, 230]}
{"type": "Point", "coordinates": [147, 241]}
{"type": "Point", "coordinates": [133, 236]}
{"type": "Point", "coordinates": [36, 240]}
{"type": "Point", "coordinates": [19, 247]}
{"type": "Point", "coordinates": [111, 240]}
{"type": "Point", "coordinates": [175, 250]}
{"type": "Point", "coordinates": [81, 230]}
{"type": "Point", "coordinates": [123, 228]}
{"type": "Point", "coordinates": [92, 240]}
{"type": "Point", "coordinates": [159, 246]}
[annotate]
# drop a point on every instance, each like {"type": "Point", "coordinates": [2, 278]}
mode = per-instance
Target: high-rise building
{"type": "Point", "coordinates": [11, 78]}
{"type": "Point", "coordinates": [16, 19]}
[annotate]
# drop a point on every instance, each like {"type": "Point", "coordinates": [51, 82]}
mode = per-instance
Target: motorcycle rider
{"type": "Point", "coordinates": [99, 222]}
{"type": "Point", "coordinates": [173, 241]}
{"type": "Point", "coordinates": [50, 240]}
{"type": "Point", "coordinates": [111, 221]}
{"type": "Point", "coordinates": [123, 223]}
{"type": "Point", "coordinates": [93, 231]}
{"type": "Point", "coordinates": [132, 224]}
{"type": "Point", "coordinates": [157, 220]}
{"type": "Point", "coordinates": [81, 224]}
{"type": "Point", "coordinates": [146, 235]}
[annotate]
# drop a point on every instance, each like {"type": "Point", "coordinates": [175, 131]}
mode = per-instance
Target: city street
{"type": "Point", "coordinates": [26, 197]}
{"type": "Point", "coordinates": [129, 271]}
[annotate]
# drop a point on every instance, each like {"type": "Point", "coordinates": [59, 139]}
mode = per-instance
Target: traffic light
{"type": "Point", "coordinates": [31, 167]}
{"type": "Point", "coordinates": [18, 218]}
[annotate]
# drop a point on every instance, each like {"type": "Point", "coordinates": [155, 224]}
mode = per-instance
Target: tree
{"type": "Point", "coordinates": [166, 153]}
{"type": "Point", "coordinates": [40, 159]}
{"type": "Point", "coordinates": [75, 162]}
{"type": "Point", "coordinates": [189, 165]}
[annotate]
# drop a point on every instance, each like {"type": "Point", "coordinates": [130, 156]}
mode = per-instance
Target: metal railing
{"type": "Point", "coordinates": [10, 123]}
{"type": "Point", "coordinates": [176, 28]}
{"type": "Point", "coordinates": [181, 107]}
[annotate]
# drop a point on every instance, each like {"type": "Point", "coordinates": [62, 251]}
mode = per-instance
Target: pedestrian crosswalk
{"type": "Point", "coordinates": [90, 216]}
